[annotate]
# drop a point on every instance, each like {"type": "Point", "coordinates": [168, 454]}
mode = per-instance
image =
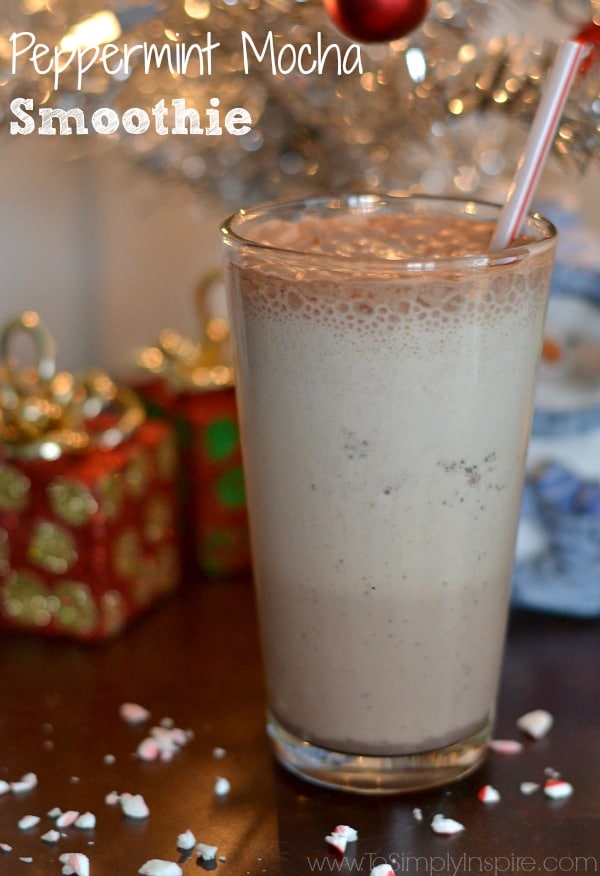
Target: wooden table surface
{"type": "Point", "coordinates": [195, 660]}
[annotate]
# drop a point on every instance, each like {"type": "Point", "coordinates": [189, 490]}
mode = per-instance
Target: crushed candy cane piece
{"type": "Point", "coordinates": [163, 743]}
{"type": "Point", "coordinates": [112, 798]}
{"type": "Point", "coordinates": [551, 773]}
{"type": "Point", "coordinates": [20, 787]}
{"type": "Point", "coordinates": [505, 746]}
{"type": "Point", "coordinates": [109, 759]}
{"type": "Point", "coordinates": [5, 847]}
{"type": "Point", "coordinates": [134, 806]}
{"type": "Point", "coordinates": [337, 841]}
{"type": "Point", "coordinates": [186, 840]}
{"type": "Point", "coordinates": [66, 819]}
{"type": "Point", "coordinates": [26, 860]}
{"type": "Point", "coordinates": [148, 749]}
{"type": "Point", "coordinates": [529, 787]}
{"type": "Point", "coordinates": [222, 786]}
{"type": "Point", "coordinates": [75, 864]}
{"type": "Point", "coordinates": [26, 783]}
{"type": "Point", "coordinates": [417, 814]}
{"type": "Point", "coordinates": [445, 826]}
{"type": "Point", "coordinates": [382, 870]}
{"type": "Point", "coordinates": [488, 794]}
{"type": "Point", "coordinates": [536, 724]}
{"type": "Point", "coordinates": [4, 787]}
{"type": "Point", "coordinates": [350, 833]}
{"type": "Point", "coordinates": [51, 836]}
{"type": "Point", "coordinates": [558, 789]}
{"type": "Point", "coordinates": [132, 713]}
{"type": "Point", "coordinates": [206, 852]}
{"type": "Point", "coordinates": [171, 735]}
{"type": "Point", "coordinates": [158, 867]}
{"type": "Point", "coordinates": [86, 821]}
{"type": "Point", "coordinates": [54, 812]}
{"type": "Point", "coordinates": [28, 821]}
{"type": "Point", "coordinates": [219, 753]}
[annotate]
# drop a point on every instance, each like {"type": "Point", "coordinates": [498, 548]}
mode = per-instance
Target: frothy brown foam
{"type": "Point", "coordinates": [290, 285]}
{"type": "Point", "coordinates": [415, 237]}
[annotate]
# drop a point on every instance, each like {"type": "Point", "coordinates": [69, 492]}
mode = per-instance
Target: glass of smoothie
{"type": "Point", "coordinates": [385, 367]}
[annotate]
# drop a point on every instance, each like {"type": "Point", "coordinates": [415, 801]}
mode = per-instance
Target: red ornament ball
{"type": "Point", "coordinates": [371, 21]}
{"type": "Point", "coordinates": [590, 34]}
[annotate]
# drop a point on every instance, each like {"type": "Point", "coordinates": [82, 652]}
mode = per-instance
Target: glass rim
{"type": "Point", "coordinates": [364, 202]}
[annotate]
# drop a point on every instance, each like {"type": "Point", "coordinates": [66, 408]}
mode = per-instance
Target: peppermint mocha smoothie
{"type": "Point", "coordinates": [385, 382]}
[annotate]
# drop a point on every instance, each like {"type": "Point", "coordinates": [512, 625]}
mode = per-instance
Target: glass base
{"type": "Point", "coordinates": [372, 774]}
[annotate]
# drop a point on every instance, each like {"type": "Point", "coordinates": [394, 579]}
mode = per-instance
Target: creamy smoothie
{"type": "Point", "coordinates": [385, 412]}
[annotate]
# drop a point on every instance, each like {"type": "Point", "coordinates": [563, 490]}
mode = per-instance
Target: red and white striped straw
{"type": "Point", "coordinates": [543, 130]}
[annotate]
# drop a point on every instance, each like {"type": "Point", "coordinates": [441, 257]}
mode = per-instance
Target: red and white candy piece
{"type": "Point", "coordinates": [163, 743]}
{"type": "Point", "coordinates": [158, 867]}
{"type": "Point", "coordinates": [345, 830]}
{"type": "Point", "coordinates": [557, 789]}
{"type": "Point", "coordinates": [134, 806]}
{"type": "Point", "coordinates": [86, 821]}
{"type": "Point", "coordinates": [382, 870]}
{"type": "Point", "coordinates": [148, 750]}
{"type": "Point", "coordinates": [5, 847]}
{"type": "Point", "coordinates": [505, 746]}
{"type": "Point", "coordinates": [340, 836]}
{"type": "Point", "coordinates": [51, 836]}
{"type": "Point", "coordinates": [26, 783]}
{"type": "Point", "coordinates": [75, 864]}
{"type": "Point", "coordinates": [186, 841]}
{"type": "Point", "coordinates": [536, 723]}
{"type": "Point", "coordinates": [488, 794]}
{"type": "Point", "coordinates": [66, 819]}
{"type": "Point", "coordinates": [28, 821]}
{"type": "Point", "coordinates": [133, 713]}
{"type": "Point", "coordinates": [445, 826]}
{"type": "Point", "coordinates": [337, 842]}
{"type": "Point", "coordinates": [206, 852]}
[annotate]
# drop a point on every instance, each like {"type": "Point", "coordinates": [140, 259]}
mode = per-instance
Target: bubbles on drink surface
{"type": "Point", "coordinates": [323, 289]}
{"type": "Point", "coordinates": [418, 237]}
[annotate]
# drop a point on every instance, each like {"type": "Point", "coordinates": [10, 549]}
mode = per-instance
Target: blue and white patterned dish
{"type": "Point", "coordinates": [558, 550]}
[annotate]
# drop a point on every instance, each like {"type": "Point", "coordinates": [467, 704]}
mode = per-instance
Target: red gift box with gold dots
{"type": "Point", "coordinates": [88, 503]}
{"type": "Point", "coordinates": [215, 526]}
{"type": "Point", "coordinates": [190, 382]}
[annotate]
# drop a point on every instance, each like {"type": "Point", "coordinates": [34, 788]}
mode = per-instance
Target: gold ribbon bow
{"type": "Point", "coordinates": [45, 413]}
{"type": "Point", "coordinates": [190, 365]}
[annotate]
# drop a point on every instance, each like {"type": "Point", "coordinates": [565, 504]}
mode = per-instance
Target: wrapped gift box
{"type": "Point", "coordinates": [88, 509]}
{"type": "Point", "coordinates": [189, 381]}
{"type": "Point", "coordinates": [215, 524]}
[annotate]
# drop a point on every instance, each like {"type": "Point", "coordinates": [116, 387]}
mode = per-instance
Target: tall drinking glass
{"type": "Point", "coordinates": [385, 367]}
